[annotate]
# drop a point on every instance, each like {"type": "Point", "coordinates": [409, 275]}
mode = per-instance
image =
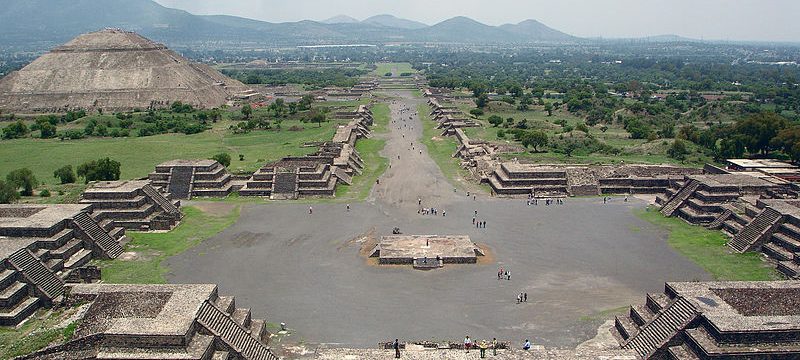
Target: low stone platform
{"type": "Point", "coordinates": [134, 205]}
{"type": "Point", "coordinates": [424, 251]}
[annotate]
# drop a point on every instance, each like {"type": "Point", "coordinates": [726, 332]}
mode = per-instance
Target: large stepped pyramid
{"type": "Point", "coordinates": [113, 70]}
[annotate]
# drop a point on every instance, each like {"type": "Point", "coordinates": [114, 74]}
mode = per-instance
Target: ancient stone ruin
{"type": "Point", "coordinates": [44, 246]}
{"type": "Point", "coordinates": [335, 162]}
{"type": "Point", "coordinates": [184, 179]}
{"type": "Point", "coordinates": [113, 70]}
{"type": "Point", "coordinates": [134, 205]}
{"type": "Point", "coordinates": [426, 251]}
{"type": "Point", "coordinates": [159, 322]}
{"type": "Point", "coordinates": [714, 320]}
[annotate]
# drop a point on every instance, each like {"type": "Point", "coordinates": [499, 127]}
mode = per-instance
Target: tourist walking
{"type": "Point", "coordinates": [310, 210]}
{"type": "Point", "coordinates": [396, 349]}
{"type": "Point", "coordinates": [527, 345]}
{"type": "Point", "coordinates": [494, 346]}
{"type": "Point", "coordinates": [525, 297]}
{"type": "Point", "coordinates": [483, 347]}
{"type": "Point", "coordinates": [348, 207]}
{"type": "Point", "coordinates": [467, 343]}
{"type": "Point", "coordinates": [508, 275]}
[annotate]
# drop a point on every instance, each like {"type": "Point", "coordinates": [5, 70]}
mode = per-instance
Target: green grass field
{"type": "Point", "coordinates": [632, 150]}
{"type": "Point", "coordinates": [395, 68]}
{"type": "Point", "coordinates": [152, 249]}
{"type": "Point", "coordinates": [441, 149]}
{"type": "Point", "coordinates": [708, 250]}
{"type": "Point", "coordinates": [44, 328]}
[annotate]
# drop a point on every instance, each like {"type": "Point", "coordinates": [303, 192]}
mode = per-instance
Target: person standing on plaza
{"type": "Point", "coordinates": [396, 349]}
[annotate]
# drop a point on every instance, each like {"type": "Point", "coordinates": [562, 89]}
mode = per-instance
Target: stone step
{"type": "Point", "coordinates": [777, 252]}
{"type": "Point", "coordinates": [787, 242]}
{"type": "Point", "coordinates": [7, 276]}
{"type": "Point", "coordinates": [226, 304]}
{"type": "Point", "coordinates": [57, 240]}
{"type": "Point", "coordinates": [12, 294]}
{"type": "Point", "coordinates": [79, 259]}
{"type": "Point", "coordinates": [258, 329]}
{"type": "Point", "coordinates": [657, 302]}
{"type": "Point", "coordinates": [69, 249]}
{"type": "Point", "coordinates": [198, 348]}
{"type": "Point", "coordinates": [221, 355]}
{"type": "Point", "coordinates": [15, 315]}
{"type": "Point", "coordinates": [791, 230]}
{"type": "Point", "coordinates": [682, 352]}
{"type": "Point", "coordinates": [242, 317]}
{"type": "Point", "coordinates": [37, 274]}
{"type": "Point", "coordinates": [626, 327]}
{"type": "Point", "coordinates": [789, 268]}
{"type": "Point", "coordinates": [641, 314]}
{"type": "Point", "coordinates": [55, 264]}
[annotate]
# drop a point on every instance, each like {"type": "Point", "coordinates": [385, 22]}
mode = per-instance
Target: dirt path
{"type": "Point", "coordinates": [412, 175]}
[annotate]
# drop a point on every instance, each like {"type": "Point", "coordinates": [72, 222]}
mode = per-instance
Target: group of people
{"type": "Point", "coordinates": [482, 345]}
{"type": "Point", "coordinates": [607, 199]}
{"type": "Point", "coordinates": [503, 274]}
{"type": "Point", "coordinates": [522, 297]}
{"type": "Point", "coordinates": [535, 201]}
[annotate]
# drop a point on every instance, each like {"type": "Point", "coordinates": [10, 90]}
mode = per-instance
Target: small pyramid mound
{"type": "Point", "coordinates": [113, 70]}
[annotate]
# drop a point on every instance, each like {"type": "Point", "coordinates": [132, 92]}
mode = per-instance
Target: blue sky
{"type": "Point", "coordinates": [773, 20]}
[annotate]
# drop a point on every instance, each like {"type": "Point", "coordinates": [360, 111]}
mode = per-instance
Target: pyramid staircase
{"type": "Point", "coordinates": [758, 230]}
{"type": "Point", "coordinates": [108, 245]}
{"type": "Point", "coordinates": [677, 200]}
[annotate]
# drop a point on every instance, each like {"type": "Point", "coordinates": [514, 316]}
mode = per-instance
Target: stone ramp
{"type": "Point", "coordinates": [110, 247]}
{"type": "Point", "coordinates": [665, 326]}
{"type": "Point", "coordinates": [48, 283]}
{"type": "Point", "coordinates": [180, 182]}
{"type": "Point", "coordinates": [232, 333]}
{"type": "Point", "coordinates": [162, 201]}
{"type": "Point", "coordinates": [754, 232]}
{"type": "Point", "coordinates": [675, 202]}
{"type": "Point", "coordinates": [284, 187]}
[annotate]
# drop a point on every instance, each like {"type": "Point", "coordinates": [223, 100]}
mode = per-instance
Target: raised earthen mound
{"type": "Point", "coordinates": [113, 70]}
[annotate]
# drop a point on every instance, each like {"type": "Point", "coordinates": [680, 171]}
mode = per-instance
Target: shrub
{"type": "Point", "coordinates": [100, 170]}
{"type": "Point", "coordinates": [15, 130]}
{"type": "Point", "coordinates": [45, 193]}
{"type": "Point", "coordinates": [495, 120]}
{"type": "Point", "coordinates": [8, 193]}
{"type": "Point", "coordinates": [678, 150]}
{"type": "Point", "coordinates": [71, 135]}
{"type": "Point", "coordinates": [222, 158]}
{"type": "Point", "coordinates": [23, 178]}
{"type": "Point", "coordinates": [65, 174]}
{"type": "Point", "coordinates": [476, 112]}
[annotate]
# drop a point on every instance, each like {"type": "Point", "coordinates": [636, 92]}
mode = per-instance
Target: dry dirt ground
{"type": "Point", "coordinates": [574, 260]}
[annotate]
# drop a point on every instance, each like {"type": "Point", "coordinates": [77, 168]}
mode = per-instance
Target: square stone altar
{"type": "Point", "coordinates": [426, 251]}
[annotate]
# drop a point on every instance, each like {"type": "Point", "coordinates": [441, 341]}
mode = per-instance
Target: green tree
{"type": "Point", "coordinates": [65, 174]}
{"type": "Point", "coordinates": [316, 117]}
{"type": "Point", "coordinates": [8, 193]}
{"type": "Point", "coordinates": [476, 112]}
{"type": "Point", "coordinates": [222, 158]}
{"type": "Point", "coordinates": [495, 120]}
{"type": "Point", "coordinates": [23, 178]}
{"type": "Point", "coordinates": [759, 130]}
{"type": "Point", "coordinates": [549, 108]}
{"type": "Point", "coordinates": [482, 100]}
{"type": "Point", "coordinates": [534, 139]}
{"type": "Point", "coordinates": [15, 130]}
{"type": "Point", "coordinates": [100, 170]}
{"type": "Point", "coordinates": [247, 111]}
{"type": "Point", "coordinates": [678, 150]}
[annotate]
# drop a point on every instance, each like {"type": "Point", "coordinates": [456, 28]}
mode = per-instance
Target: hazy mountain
{"type": "Point", "coordinates": [535, 30]}
{"type": "Point", "coordinates": [463, 29]}
{"type": "Point", "coordinates": [394, 22]}
{"type": "Point", "coordinates": [42, 24]}
{"type": "Point", "coordinates": [340, 19]}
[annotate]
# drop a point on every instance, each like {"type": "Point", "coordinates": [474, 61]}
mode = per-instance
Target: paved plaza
{"type": "Point", "coordinates": [574, 261]}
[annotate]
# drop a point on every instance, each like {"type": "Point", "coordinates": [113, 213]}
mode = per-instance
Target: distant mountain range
{"type": "Point", "coordinates": [45, 23]}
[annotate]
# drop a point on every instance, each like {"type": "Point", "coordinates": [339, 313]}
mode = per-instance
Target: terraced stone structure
{"type": "Point", "coordinates": [335, 162]}
{"type": "Point", "coordinates": [711, 199]}
{"type": "Point", "coordinates": [44, 246]}
{"type": "Point", "coordinates": [134, 205]}
{"type": "Point", "coordinates": [159, 322]}
{"type": "Point", "coordinates": [426, 251]}
{"type": "Point", "coordinates": [113, 70]}
{"type": "Point", "coordinates": [715, 320]}
{"type": "Point", "coordinates": [514, 178]}
{"type": "Point", "coordinates": [185, 179]}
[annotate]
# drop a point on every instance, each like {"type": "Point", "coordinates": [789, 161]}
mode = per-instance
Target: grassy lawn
{"type": "Point", "coordinates": [153, 248]}
{"type": "Point", "coordinates": [441, 149]}
{"type": "Point", "coordinates": [395, 68]}
{"type": "Point", "coordinates": [42, 329]}
{"type": "Point", "coordinates": [140, 155]}
{"type": "Point", "coordinates": [708, 250]}
{"type": "Point", "coordinates": [374, 164]}
{"type": "Point", "coordinates": [632, 150]}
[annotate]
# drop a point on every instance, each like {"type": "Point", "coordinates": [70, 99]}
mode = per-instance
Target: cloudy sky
{"type": "Point", "coordinates": [775, 20]}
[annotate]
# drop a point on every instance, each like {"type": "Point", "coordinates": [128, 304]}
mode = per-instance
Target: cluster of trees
{"type": "Point", "coordinates": [342, 77]}
{"type": "Point", "coordinates": [22, 182]}
{"type": "Point", "coordinates": [275, 113]}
